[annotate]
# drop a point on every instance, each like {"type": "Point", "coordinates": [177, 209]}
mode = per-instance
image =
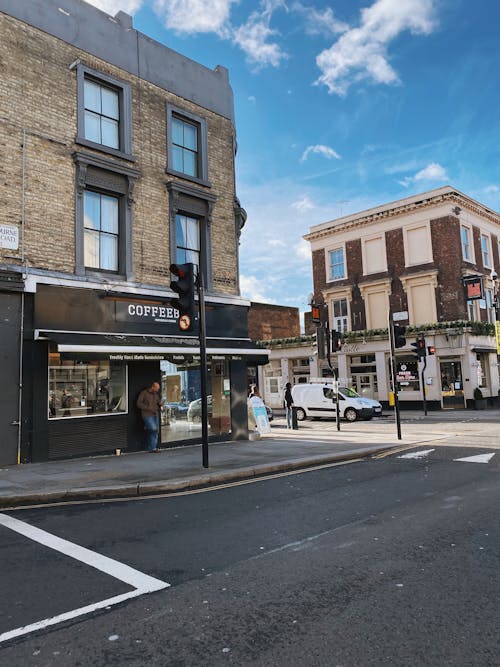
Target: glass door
{"type": "Point", "coordinates": [452, 389]}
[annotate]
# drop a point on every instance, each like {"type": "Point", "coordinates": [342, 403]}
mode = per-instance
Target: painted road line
{"type": "Point", "coordinates": [478, 458]}
{"type": "Point", "coordinates": [142, 583]}
{"type": "Point", "coordinates": [417, 455]}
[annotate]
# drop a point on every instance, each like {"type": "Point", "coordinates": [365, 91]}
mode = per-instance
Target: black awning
{"type": "Point", "coordinates": [117, 343]}
{"type": "Point", "coordinates": [485, 350]}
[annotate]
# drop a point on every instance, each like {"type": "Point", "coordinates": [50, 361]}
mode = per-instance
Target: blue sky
{"type": "Point", "coordinates": [341, 105]}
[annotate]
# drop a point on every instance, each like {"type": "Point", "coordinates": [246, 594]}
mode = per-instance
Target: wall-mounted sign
{"type": "Point", "coordinates": [9, 237]}
{"type": "Point", "coordinates": [145, 312]}
{"type": "Point", "coordinates": [473, 287]}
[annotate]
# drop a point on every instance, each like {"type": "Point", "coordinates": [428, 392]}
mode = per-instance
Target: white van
{"type": "Point", "coordinates": [318, 400]}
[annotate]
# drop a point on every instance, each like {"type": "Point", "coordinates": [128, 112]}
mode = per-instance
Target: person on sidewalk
{"type": "Point", "coordinates": [288, 404]}
{"type": "Point", "coordinates": [149, 403]}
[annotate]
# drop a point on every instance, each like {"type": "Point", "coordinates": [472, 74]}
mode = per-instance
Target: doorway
{"type": "Point", "coordinates": [452, 388]}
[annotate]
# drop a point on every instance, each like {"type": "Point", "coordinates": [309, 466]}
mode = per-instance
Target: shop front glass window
{"type": "Point", "coordinates": [181, 394]}
{"type": "Point", "coordinates": [86, 389]}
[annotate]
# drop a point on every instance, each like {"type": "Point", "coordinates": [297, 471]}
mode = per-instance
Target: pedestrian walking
{"type": "Point", "coordinates": [288, 404]}
{"type": "Point", "coordinates": [149, 403]}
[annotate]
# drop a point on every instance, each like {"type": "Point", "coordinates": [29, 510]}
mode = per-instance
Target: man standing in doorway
{"type": "Point", "coordinates": [149, 403]}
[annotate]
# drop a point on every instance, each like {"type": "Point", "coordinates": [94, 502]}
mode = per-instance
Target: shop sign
{"type": "Point", "coordinates": [473, 287]}
{"type": "Point", "coordinates": [145, 312]}
{"type": "Point", "coordinates": [128, 356]}
{"type": "Point", "coordinates": [406, 372]}
{"type": "Point", "coordinates": [9, 237]}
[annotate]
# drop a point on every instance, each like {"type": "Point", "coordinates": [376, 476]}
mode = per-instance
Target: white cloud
{"type": "Point", "coordinates": [319, 22]}
{"type": "Point", "coordinates": [254, 35]}
{"type": "Point", "coordinates": [361, 53]}
{"type": "Point", "coordinates": [303, 249]}
{"type": "Point", "coordinates": [276, 243]}
{"type": "Point", "coordinates": [112, 7]}
{"type": "Point", "coordinates": [491, 189]}
{"type": "Point", "coordinates": [191, 16]}
{"type": "Point", "coordinates": [303, 204]}
{"type": "Point", "coordinates": [253, 289]}
{"type": "Point", "coordinates": [433, 172]}
{"type": "Point", "coordinates": [252, 99]}
{"type": "Point", "coordinates": [325, 151]}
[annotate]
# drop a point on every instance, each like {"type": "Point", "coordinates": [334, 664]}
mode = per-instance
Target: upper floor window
{"type": "Point", "coordinates": [184, 147]}
{"type": "Point", "coordinates": [337, 264]}
{"type": "Point", "coordinates": [104, 113]}
{"type": "Point", "coordinates": [374, 254]}
{"type": "Point", "coordinates": [417, 244]}
{"type": "Point", "coordinates": [103, 232]}
{"type": "Point", "coordinates": [101, 235]}
{"type": "Point", "coordinates": [188, 240]}
{"type": "Point", "coordinates": [187, 145]}
{"type": "Point", "coordinates": [485, 250]}
{"type": "Point", "coordinates": [466, 237]}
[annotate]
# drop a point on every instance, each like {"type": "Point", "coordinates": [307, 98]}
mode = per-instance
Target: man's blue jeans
{"type": "Point", "coordinates": [151, 425]}
{"type": "Point", "coordinates": [289, 416]}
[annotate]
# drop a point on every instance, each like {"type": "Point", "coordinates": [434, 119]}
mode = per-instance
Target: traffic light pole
{"type": "Point", "coordinates": [335, 383]}
{"type": "Point", "coordinates": [203, 369]}
{"type": "Point", "coordinates": [423, 385]}
{"type": "Point", "coordinates": [393, 374]}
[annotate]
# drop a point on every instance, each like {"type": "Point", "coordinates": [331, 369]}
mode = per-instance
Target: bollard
{"type": "Point", "coordinates": [295, 423]}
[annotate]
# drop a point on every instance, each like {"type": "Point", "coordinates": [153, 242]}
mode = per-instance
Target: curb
{"type": "Point", "coordinates": [149, 489]}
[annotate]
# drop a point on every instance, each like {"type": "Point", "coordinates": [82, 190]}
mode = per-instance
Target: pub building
{"type": "Point", "coordinates": [93, 351]}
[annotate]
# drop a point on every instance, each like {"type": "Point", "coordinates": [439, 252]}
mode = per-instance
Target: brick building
{"type": "Point", "coordinates": [413, 257]}
{"type": "Point", "coordinates": [117, 160]}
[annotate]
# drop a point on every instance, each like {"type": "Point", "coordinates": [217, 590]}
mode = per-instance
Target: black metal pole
{"type": "Point", "coordinates": [423, 386]}
{"type": "Point", "coordinates": [203, 369]}
{"type": "Point", "coordinates": [393, 373]}
{"type": "Point", "coordinates": [335, 380]}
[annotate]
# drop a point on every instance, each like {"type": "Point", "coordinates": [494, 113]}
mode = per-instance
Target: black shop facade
{"type": "Point", "coordinates": [87, 354]}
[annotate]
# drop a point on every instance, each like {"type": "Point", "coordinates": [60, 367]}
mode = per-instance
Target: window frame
{"type": "Point", "coordinates": [125, 111]}
{"type": "Point", "coordinates": [198, 204]}
{"type": "Point", "coordinates": [336, 320]}
{"type": "Point", "coordinates": [328, 263]}
{"type": "Point", "coordinates": [202, 155]}
{"type": "Point", "coordinates": [487, 239]}
{"type": "Point", "coordinates": [97, 174]}
{"type": "Point", "coordinates": [406, 244]}
{"type": "Point", "coordinates": [468, 229]}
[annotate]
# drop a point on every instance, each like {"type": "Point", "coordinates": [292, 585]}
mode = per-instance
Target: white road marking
{"type": "Point", "coordinates": [142, 583]}
{"type": "Point", "coordinates": [479, 458]}
{"type": "Point", "coordinates": [417, 455]}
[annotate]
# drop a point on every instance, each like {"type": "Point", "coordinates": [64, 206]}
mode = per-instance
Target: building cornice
{"type": "Point", "coordinates": [420, 202]}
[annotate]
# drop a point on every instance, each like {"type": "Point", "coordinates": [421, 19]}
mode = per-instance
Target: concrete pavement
{"type": "Point", "coordinates": [178, 469]}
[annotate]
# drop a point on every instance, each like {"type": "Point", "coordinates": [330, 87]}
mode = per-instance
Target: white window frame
{"type": "Point", "coordinates": [344, 320]}
{"type": "Point", "coordinates": [328, 265]}
{"type": "Point", "coordinates": [468, 229]}
{"type": "Point", "coordinates": [487, 238]}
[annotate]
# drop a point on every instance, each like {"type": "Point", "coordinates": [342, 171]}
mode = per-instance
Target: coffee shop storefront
{"type": "Point", "coordinates": [89, 354]}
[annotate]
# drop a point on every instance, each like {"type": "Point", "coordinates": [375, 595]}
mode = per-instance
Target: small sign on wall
{"type": "Point", "coordinates": [9, 237]}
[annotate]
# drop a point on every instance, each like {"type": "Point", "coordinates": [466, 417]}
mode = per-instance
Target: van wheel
{"type": "Point", "coordinates": [351, 415]}
{"type": "Point", "coordinates": [301, 414]}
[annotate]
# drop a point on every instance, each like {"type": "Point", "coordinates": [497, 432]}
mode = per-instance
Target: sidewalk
{"type": "Point", "coordinates": [179, 469]}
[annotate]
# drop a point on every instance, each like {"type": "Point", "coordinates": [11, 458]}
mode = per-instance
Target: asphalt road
{"type": "Point", "coordinates": [383, 562]}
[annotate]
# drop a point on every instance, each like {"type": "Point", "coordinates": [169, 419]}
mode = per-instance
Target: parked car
{"type": "Point", "coordinates": [318, 400]}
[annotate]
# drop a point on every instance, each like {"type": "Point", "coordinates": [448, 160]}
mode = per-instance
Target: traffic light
{"type": "Point", "coordinates": [322, 341]}
{"type": "Point", "coordinates": [336, 342]}
{"type": "Point", "coordinates": [399, 335]}
{"type": "Point", "coordinates": [185, 287]}
{"type": "Point", "coordinates": [419, 348]}
{"type": "Point", "coordinates": [431, 350]}
{"type": "Point", "coordinates": [315, 313]}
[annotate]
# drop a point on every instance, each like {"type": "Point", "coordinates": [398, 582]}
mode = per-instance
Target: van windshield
{"type": "Point", "coordinates": [350, 393]}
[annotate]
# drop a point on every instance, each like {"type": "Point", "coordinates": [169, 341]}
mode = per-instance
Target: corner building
{"type": "Point", "coordinates": [117, 160]}
{"type": "Point", "coordinates": [432, 261]}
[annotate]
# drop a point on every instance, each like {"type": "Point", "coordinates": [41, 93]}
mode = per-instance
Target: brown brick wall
{"type": "Point", "coordinates": [446, 243]}
{"type": "Point", "coordinates": [38, 92]}
{"type": "Point", "coordinates": [267, 321]}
